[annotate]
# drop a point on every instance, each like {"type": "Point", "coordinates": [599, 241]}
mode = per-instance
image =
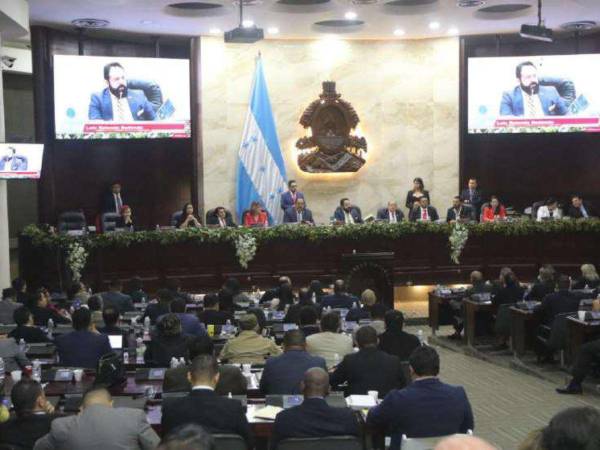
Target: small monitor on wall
{"type": "Point", "coordinates": [21, 160]}
{"type": "Point", "coordinates": [97, 97]}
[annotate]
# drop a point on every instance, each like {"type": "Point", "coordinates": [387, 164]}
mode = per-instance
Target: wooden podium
{"type": "Point", "coordinates": [370, 271]}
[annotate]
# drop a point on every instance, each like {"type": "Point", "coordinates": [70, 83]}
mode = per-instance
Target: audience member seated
{"type": "Point", "coordinates": [82, 347]}
{"type": "Point", "coordinates": [248, 347]}
{"type": "Point", "coordinates": [286, 297]}
{"type": "Point", "coordinates": [14, 358]}
{"type": "Point", "coordinates": [190, 324]}
{"type": "Point", "coordinates": [298, 213]}
{"type": "Point", "coordinates": [288, 198]}
{"type": "Point", "coordinates": [95, 305]}
{"type": "Point", "coordinates": [391, 214]}
{"type": "Point", "coordinates": [163, 306]}
{"type": "Point", "coordinates": [211, 315]}
{"type": "Point", "coordinates": [307, 321]}
{"type": "Point", "coordinates": [459, 212]}
{"type": "Point", "coordinates": [231, 379]}
{"type": "Point", "coordinates": [414, 196]}
{"type": "Point", "coordinates": [233, 286]}
{"type": "Point", "coordinates": [587, 360]}
{"type": "Point", "coordinates": [316, 291]}
{"type": "Point", "coordinates": [26, 330]}
{"type": "Point", "coordinates": [203, 406]}
{"type": "Point", "coordinates": [173, 285]}
{"type": "Point", "coordinates": [33, 416]}
{"type": "Point", "coordinates": [370, 369]}
{"type": "Point", "coordinates": [116, 298]}
{"type": "Point", "coordinates": [99, 426]}
{"type": "Point", "coordinates": [110, 317]}
{"type": "Point", "coordinates": [543, 285]}
{"type": "Point", "coordinates": [256, 216]}
{"type": "Point", "coordinates": [494, 211]}
{"type": "Point", "coordinates": [125, 219]}
{"type": "Point", "coordinates": [394, 340]}
{"type": "Point", "coordinates": [304, 300]}
{"type": "Point", "coordinates": [573, 429]}
{"type": "Point", "coordinates": [8, 305]}
{"type": "Point", "coordinates": [226, 300]}
{"type": "Point", "coordinates": [559, 302]}
{"type": "Point", "coordinates": [271, 294]}
{"type": "Point", "coordinates": [367, 300]}
{"type": "Point", "coordinates": [314, 418]}
{"type": "Point", "coordinates": [378, 318]}
{"type": "Point", "coordinates": [346, 213]}
{"type": "Point", "coordinates": [580, 209]}
{"type": "Point", "coordinates": [511, 291]}
{"type": "Point", "coordinates": [43, 311]}
{"type": "Point", "coordinates": [423, 212]}
{"type": "Point", "coordinates": [169, 342]}
{"type": "Point", "coordinates": [19, 285]}
{"type": "Point", "coordinates": [283, 374]}
{"type": "Point", "coordinates": [79, 293]}
{"type": "Point", "coordinates": [220, 218]}
{"type": "Point", "coordinates": [188, 437]}
{"type": "Point", "coordinates": [589, 278]}
{"type": "Point", "coordinates": [426, 407]}
{"type": "Point", "coordinates": [463, 442]}
{"type": "Point", "coordinates": [549, 211]}
{"type": "Point", "coordinates": [135, 289]}
{"type": "Point", "coordinates": [478, 286]}
{"type": "Point", "coordinates": [472, 197]}
{"type": "Point", "coordinates": [329, 344]}
{"type": "Point", "coordinates": [187, 218]}
{"type": "Point", "coordinates": [340, 298]}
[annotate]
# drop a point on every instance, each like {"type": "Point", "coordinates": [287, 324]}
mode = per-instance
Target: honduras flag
{"type": "Point", "coordinates": [261, 171]}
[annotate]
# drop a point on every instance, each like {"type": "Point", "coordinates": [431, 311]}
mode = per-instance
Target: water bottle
{"type": "Point", "coordinates": [227, 327]}
{"type": "Point", "coordinates": [139, 350]}
{"type": "Point", "coordinates": [421, 337]}
{"type": "Point", "coordinates": [36, 372]}
{"type": "Point", "coordinates": [354, 305]}
{"type": "Point", "coordinates": [174, 363]}
{"type": "Point", "coordinates": [22, 346]}
{"type": "Point", "coordinates": [147, 324]}
{"type": "Point", "coordinates": [126, 357]}
{"type": "Point", "coordinates": [50, 328]}
{"type": "Point", "coordinates": [314, 297]}
{"type": "Point", "coordinates": [182, 362]}
{"type": "Point", "coordinates": [2, 371]}
{"type": "Point", "coordinates": [229, 395]}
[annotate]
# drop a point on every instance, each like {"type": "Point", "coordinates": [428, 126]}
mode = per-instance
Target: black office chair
{"type": "Point", "coordinates": [151, 90]}
{"type": "Point", "coordinates": [565, 87]}
{"type": "Point", "coordinates": [71, 220]}
{"type": "Point", "coordinates": [175, 218]}
{"type": "Point", "coordinates": [229, 442]}
{"type": "Point", "coordinates": [108, 222]}
{"type": "Point", "coordinates": [328, 443]}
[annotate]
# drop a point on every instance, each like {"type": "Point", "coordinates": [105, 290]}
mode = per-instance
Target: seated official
{"type": "Point", "coordinates": [330, 344]}
{"type": "Point", "coordinates": [275, 292]}
{"type": "Point", "coordinates": [82, 347]}
{"type": "Point", "coordinates": [549, 211]}
{"type": "Point", "coordinates": [283, 374]}
{"type": "Point", "coordinates": [203, 406]}
{"type": "Point", "coordinates": [314, 418]}
{"type": "Point", "coordinates": [426, 407]}
{"type": "Point", "coordinates": [26, 330]}
{"type": "Point", "coordinates": [304, 300]}
{"type": "Point", "coordinates": [394, 340]}
{"type": "Point", "coordinates": [157, 309]}
{"type": "Point", "coordinates": [173, 285]}
{"type": "Point", "coordinates": [424, 212]}
{"type": "Point", "coordinates": [589, 278]}
{"type": "Point", "coordinates": [459, 212]}
{"type": "Point", "coordinates": [346, 213]}
{"type": "Point", "coordinates": [220, 218]}
{"type": "Point", "coordinates": [472, 197]}
{"type": "Point", "coordinates": [211, 314]}
{"type": "Point", "coordinates": [580, 209]}
{"type": "Point", "coordinates": [95, 305]}
{"type": "Point", "coordinates": [494, 211]}
{"type": "Point", "coordinates": [135, 289]}
{"type": "Point", "coordinates": [187, 218]}
{"type": "Point", "coordinates": [559, 302]}
{"type": "Point", "coordinates": [289, 198]}
{"type": "Point", "coordinates": [391, 214]}
{"type": "Point", "coordinates": [33, 416]}
{"type": "Point", "coordinates": [125, 219]}
{"type": "Point", "coordinates": [368, 299]}
{"type": "Point", "coordinates": [190, 324]}
{"type": "Point", "coordinates": [316, 291]}
{"type": "Point", "coordinates": [413, 197]}
{"type": "Point", "coordinates": [256, 216]}
{"type": "Point", "coordinates": [307, 321]}
{"type": "Point", "coordinates": [111, 318]}
{"type": "Point", "coordinates": [114, 297]}
{"type": "Point", "coordinates": [248, 347]}
{"type": "Point", "coordinates": [378, 318]}
{"type": "Point", "coordinates": [543, 285]}
{"type": "Point", "coordinates": [14, 358]}
{"type": "Point", "coordinates": [575, 428]}
{"type": "Point", "coordinates": [8, 305]}
{"type": "Point", "coordinates": [370, 369]}
{"type": "Point", "coordinates": [231, 379]}
{"type": "Point", "coordinates": [169, 342]}
{"type": "Point", "coordinates": [99, 426]}
{"type": "Point", "coordinates": [286, 297]}
{"type": "Point", "coordinates": [42, 310]}
{"type": "Point", "coordinates": [232, 284]}
{"type": "Point", "coordinates": [340, 298]}
{"type": "Point", "coordinates": [478, 286]}
{"type": "Point", "coordinates": [587, 360]}
{"type": "Point", "coordinates": [79, 293]}
{"type": "Point", "coordinates": [510, 291]}
{"type": "Point", "coordinates": [298, 214]}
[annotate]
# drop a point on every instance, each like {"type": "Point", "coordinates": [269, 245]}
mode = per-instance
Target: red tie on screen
{"type": "Point", "coordinates": [424, 217]}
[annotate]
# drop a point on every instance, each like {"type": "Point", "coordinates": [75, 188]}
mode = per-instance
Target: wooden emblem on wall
{"type": "Point", "coordinates": [330, 146]}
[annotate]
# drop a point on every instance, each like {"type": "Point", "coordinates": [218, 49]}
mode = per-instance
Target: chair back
{"type": "Point", "coordinates": [108, 221]}
{"type": "Point", "coordinates": [328, 443]}
{"type": "Point", "coordinates": [423, 443]}
{"type": "Point", "coordinates": [175, 218]}
{"type": "Point", "coordinates": [229, 442]}
{"type": "Point", "coordinates": [559, 332]}
{"type": "Point", "coordinates": [71, 220]}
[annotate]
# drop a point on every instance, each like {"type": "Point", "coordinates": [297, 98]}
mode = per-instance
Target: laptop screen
{"type": "Point", "coordinates": [116, 341]}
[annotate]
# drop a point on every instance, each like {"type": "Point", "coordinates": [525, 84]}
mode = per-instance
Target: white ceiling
{"type": "Point", "coordinates": [153, 17]}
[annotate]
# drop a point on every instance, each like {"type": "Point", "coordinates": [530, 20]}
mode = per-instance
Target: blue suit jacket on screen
{"type": "Point", "coordinates": [425, 408]}
{"type": "Point", "coordinates": [512, 102]}
{"type": "Point", "coordinates": [82, 348]}
{"type": "Point", "coordinates": [101, 106]}
{"type": "Point", "coordinates": [286, 199]}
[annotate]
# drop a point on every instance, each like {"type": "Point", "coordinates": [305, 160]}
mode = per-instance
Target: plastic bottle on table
{"type": "Point", "coordinates": [36, 373]}
{"type": "Point", "coordinates": [2, 370]}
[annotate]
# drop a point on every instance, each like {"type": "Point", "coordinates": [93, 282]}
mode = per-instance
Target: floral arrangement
{"type": "Point", "coordinates": [245, 246]}
{"type": "Point", "coordinates": [458, 239]}
{"type": "Point", "coordinates": [76, 259]}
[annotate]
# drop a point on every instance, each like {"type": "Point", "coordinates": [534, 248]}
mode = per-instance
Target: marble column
{"type": "Point", "coordinates": [4, 241]}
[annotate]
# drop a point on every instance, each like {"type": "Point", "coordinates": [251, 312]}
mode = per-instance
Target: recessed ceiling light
{"type": "Point", "coordinates": [273, 30]}
{"type": "Point", "coordinates": [248, 23]}
{"type": "Point", "coordinates": [350, 15]}
{"type": "Point", "coordinates": [453, 31]}
{"type": "Point", "coordinates": [215, 31]}
{"type": "Point", "coordinates": [146, 22]}
{"type": "Point", "coordinates": [399, 32]}
{"type": "Point", "coordinates": [434, 25]}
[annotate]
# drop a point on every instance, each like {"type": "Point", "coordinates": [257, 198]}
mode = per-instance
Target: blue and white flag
{"type": "Point", "coordinates": [261, 170]}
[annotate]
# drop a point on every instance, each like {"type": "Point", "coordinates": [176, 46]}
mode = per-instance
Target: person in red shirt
{"type": "Point", "coordinates": [494, 211]}
{"type": "Point", "coordinates": [256, 217]}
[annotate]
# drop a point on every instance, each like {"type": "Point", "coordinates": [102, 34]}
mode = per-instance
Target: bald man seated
{"type": "Point", "coordinates": [462, 442]}
{"type": "Point", "coordinates": [99, 426]}
{"type": "Point", "coordinates": [314, 417]}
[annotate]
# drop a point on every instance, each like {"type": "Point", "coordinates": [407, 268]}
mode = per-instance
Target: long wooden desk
{"type": "Point", "coordinates": [523, 326]}
{"type": "Point", "coordinates": [440, 311]}
{"type": "Point", "coordinates": [471, 310]}
{"type": "Point", "coordinates": [580, 332]}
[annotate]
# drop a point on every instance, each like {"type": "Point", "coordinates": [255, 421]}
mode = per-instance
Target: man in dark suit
{"type": "Point", "coordinates": [220, 218]}
{"type": "Point", "coordinates": [370, 369]}
{"type": "Point", "coordinates": [394, 340]}
{"type": "Point", "coordinates": [211, 315]}
{"type": "Point", "coordinates": [529, 99]}
{"type": "Point", "coordinates": [459, 212]}
{"type": "Point", "coordinates": [472, 196]}
{"type": "Point", "coordinates": [43, 311]}
{"type": "Point", "coordinates": [424, 213]}
{"type": "Point", "coordinates": [426, 407]}
{"type": "Point", "coordinates": [157, 309]}
{"type": "Point", "coordinates": [288, 198]}
{"type": "Point", "coordinates": [559, 302]}
{"type": "Point", "coordinates": [298, 214]}
{"type": "Point", "coordinates": [390, 214]}
{"type": "Point", "coordinates": [26, 330]}
{"type": "Point", "coordinates": [114, 297]}
{"type": "Point", "coordinates": [112, 201]}
{"type": "Point", "coordinates": [117, 102]}
{"type": "Point", "coordinates": [580, 209]}
{"type": "Point", "coordinates": [110, 316]}
{"type": "Point", "coordinates": [340, 298]}
{"type": "Point", "coordinates": [203, 406]}
{"type": "Point", "coordinates": [82, 347]}
{"type": "Point", "coordinates": [346, 213]}
{"type": "Point", "coordinates": [283, 374]}
{"type": "Point", "coordinates": [190, 324]}
{"type": "Point", "coordinates": [314, 418]}
{"type": "Point", "coordinates": [34, 415]}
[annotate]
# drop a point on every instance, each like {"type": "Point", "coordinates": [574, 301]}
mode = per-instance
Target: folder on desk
{"type": "Point", "coordinates": [268, 412]}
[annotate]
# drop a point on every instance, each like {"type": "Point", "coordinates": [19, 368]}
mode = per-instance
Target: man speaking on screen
{"type": "Point", "coordinates": [116, 102]}
{"type": "Point", "coordinates": [529, 99]}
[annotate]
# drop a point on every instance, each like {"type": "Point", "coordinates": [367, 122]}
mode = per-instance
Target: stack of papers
{"type": "Point", "coordinates": [268, 412]}
{"type": "Point", "coordinates": [358, 402]}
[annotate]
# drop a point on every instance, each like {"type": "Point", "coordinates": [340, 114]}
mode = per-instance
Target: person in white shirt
{"type": "Point", "coordinates": [329, 344]}
{"type": "Point", "coordinates": [549, 211]}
